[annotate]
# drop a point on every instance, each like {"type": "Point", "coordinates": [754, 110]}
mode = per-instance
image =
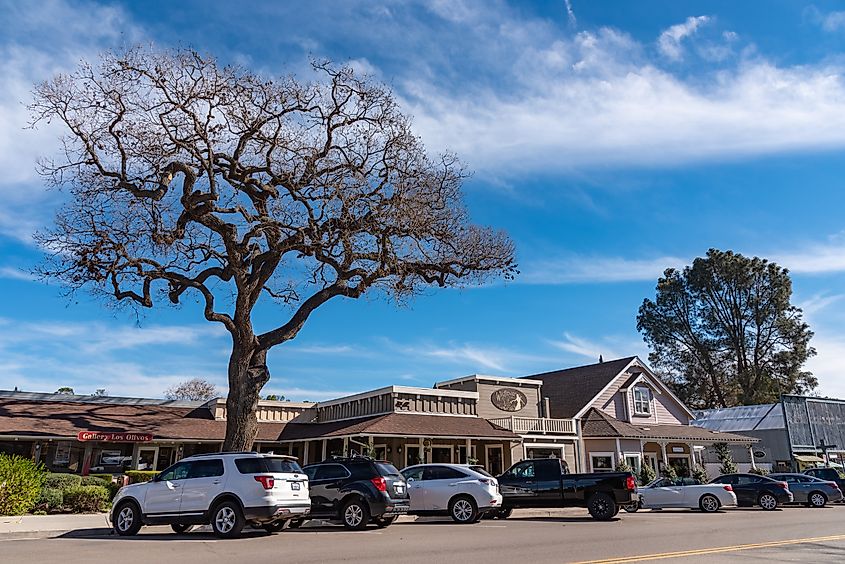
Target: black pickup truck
{"type": "Point", "coordinates": [544, 482]}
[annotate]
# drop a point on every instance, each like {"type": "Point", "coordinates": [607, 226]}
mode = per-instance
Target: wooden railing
{"type": "Point", "coordinates": [529, 425]}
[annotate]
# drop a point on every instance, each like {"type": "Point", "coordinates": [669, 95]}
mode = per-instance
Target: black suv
{"type": "Point", "coordinates": [356, 491]}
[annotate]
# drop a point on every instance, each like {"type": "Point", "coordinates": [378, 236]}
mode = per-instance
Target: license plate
{"type": "Point", "coordinates": [294, 485]}
{"type": "Point", "coordinates": [400, 489]}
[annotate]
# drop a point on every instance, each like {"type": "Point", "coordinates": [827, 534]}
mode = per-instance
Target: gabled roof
{"type": "Point", "coordinates": [597, 423]}
{"type": "Point", "coordinates": [572, 389]}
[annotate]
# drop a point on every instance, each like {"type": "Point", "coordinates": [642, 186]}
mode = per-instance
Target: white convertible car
{"type": "Point", "coordinates": [685, 492]}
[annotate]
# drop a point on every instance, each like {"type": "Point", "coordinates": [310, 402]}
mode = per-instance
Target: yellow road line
{"type": "Point", "coordinates": [717, 550]}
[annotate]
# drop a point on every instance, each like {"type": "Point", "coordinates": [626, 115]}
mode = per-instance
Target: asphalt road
{"type": "Point", "coordinates": [738, 535]}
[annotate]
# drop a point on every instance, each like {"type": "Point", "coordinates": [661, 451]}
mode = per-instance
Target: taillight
{"type": "Point", "coordinates": [485, 481]}
{"type": "Point", "coordinates": [380, 483]}
{"type": "Point", "coordinates": [630, 484]}
{"type": "Point", "coordinates": [729, 488]}
{"type": "Point", "coordinates": [833, 485]}
{"type": "Point", "coordinates": [267, 481]}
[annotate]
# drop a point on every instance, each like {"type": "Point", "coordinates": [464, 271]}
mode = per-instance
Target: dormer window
{"type": "Point", "coordinates": [642, 401]}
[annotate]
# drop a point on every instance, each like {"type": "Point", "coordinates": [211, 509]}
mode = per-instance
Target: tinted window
{"type": "Point", "coordinates": [442, 473]}
{"type": "Point", "coordinates": [481, 470]}
{"type": "Point", "coordinates": [310, 471]}
{"type": "Point", "coordinates": [522, 470]}
{"type": "Point", "coordinates": [386, 469]}
{"type": "Point", "coordinates": [258, 465]}
{"type": "Point", "coordinates": [331, 472]}
{"type": "Point", "coordinates": [178, 471]}
{"type": "Point", "coordinates": [724, 480]}
{"type": "Point", "coordinates": [413, 474]}
{"type": "Point", "coordinates": [745, 480]}
{"type": "Point", "coordinates": [206, 468]}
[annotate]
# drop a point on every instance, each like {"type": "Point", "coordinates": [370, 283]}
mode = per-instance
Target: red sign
{"type": "Point", "coordinates": [114, 437]}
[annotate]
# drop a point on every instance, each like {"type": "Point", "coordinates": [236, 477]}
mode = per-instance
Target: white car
{"type": "Point", "coordinates": [226, 490]}
{"type": "Point", "coordinates": [462, 491]}
{"type": "Point", "coordinates": [686, 492]}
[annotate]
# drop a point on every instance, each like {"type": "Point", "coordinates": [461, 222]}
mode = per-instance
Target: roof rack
{"type": "Point", "coordinates": [223, 452]}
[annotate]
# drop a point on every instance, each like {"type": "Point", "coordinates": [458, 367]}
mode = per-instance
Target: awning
{"type": "Point", "coordinates": [808, 458]}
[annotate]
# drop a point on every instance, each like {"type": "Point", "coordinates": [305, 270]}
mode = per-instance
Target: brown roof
{"type": "Point", "coordinates": [570, 390]}
{"type": "Point", "coordinates": [597, 423]}
{"type": "Point", "coordinates": [66, 418]}
{"type": "Point", "coordinates": [401, 424]}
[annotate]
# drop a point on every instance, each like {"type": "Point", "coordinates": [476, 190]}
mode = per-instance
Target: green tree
{"type": "Point", "coordinates": [65, 390]}
{"type": "Point", "coordinates": [185, 179]}
{"type": "Point", "coordinates": [723, 332]}
{"type": "Point", "coordinates": [274, 397]}
{"type": "Point", "coordinates": [647, 474]}
{"type": "Point", "coordinates": [726, 459]}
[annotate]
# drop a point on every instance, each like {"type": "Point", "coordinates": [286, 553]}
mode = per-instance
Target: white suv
{"type": "Point", "coordinates": [227, 490]}
{"type": "Point", "coordinates": [464, 492]}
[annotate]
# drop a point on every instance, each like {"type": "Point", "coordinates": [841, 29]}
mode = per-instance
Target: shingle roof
{"type": "Point", "coordinates": [66, 418]}
{"type": "Point", "coordinates": [570, 390]}
{"type": "Point", "coordinates": [597, 423]}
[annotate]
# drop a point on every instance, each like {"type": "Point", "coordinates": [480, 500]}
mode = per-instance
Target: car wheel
{"type": "Point", "coordinates": [295, 523]}
{"type": "Point", "coordinates": [463, 509]}
{"type": "Point", "coordinates": [383, 522]}
{"type": "Point", "coordinates": [274, 527]}
{"type": "Point", "coordinates": [180, 528]}
{"type": "Point", "coordinates": [602, 507]}
{"type": "Point", "coordinates": [709, 503]}
{"type": "Point", "coordinates": [502, 513]}
{"type": "Point", "coordinates": [817, 499]}
{"type": "Point", "coordinates": [355, 515]}
{"type": "Point", "coordinates": [127, 519]}
{"type": "Point", "coordinates": [768, 502]}
{"type": "Point", "coordinates": [227, 522]}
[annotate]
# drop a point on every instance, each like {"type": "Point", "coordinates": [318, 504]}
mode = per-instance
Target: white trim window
{"type": "Point", "coordinates": [601, 462]}
{"type": "Point", "coordinates": [634, 460]}
{"type": "Point", "coordinates": [642, 401]}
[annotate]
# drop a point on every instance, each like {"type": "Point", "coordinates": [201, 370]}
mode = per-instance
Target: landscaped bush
{"type": "Point", "coordinates": [106, 477]}
{"type": "Point", "coordinates": [21, 481]}
{"type": "Point", "coordinates": [51, 499]}
{"type": "Point", "coordinates": [97, 480]}
{"type": "Point", "coordinates": [137, 476]}
{"type": "Point", "coordinates": [647, 474]}
{"type": "Point", "coordinates": [759, 471]}
{"type": "Point", "coordinates": [86, 499]}
{"type": "Point", "coordinates": [699, 473]}
{"type": "Point", "coordinates": [63, 481]}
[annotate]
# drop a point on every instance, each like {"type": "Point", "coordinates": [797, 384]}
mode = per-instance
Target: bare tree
{"type": "Point", "coordinates": [185, 176]}
{"type": "Point", "coordinates": [195, 389]}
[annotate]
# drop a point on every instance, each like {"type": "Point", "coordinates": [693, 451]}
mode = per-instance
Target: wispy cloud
{"type": "Point", "coordinates": [669, 42]}
{"type": "Point", "coordinates": [585, 348]}
{"type": "Point", "coordinates": [12, 273]}
{"type": "Point", "coordinates": [818, 303]}
{"type": "Point", "coordinates": [570, 13]}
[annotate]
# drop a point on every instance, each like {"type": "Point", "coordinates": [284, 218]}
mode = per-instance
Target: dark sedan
{"type": "Point", "coordinates": [752, 489]}
{"type": "Point", "coordinates": [808, 490]}
{"type": "Point", "coordinates": [829, 475]}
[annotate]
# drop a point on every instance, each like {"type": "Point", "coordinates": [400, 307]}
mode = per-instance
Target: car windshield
{"type": "Point", "coordinates": [481, 470]}
{"type": "Point", "coordinates": [387, 469]}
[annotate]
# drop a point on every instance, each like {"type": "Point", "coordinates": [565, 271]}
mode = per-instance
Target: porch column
{"type": "Point", "coordinates": [691, 456]}
{"type": "Point", "coordinates": [618, 453]}
{"type": "Point", "coordinates": [305, 452]}
{"type": "Point", "coordinates": [665, 458]}
{"type": "Point", "coordinates": [469, 450]}
{"type": "Point", "coordinates": [345, 446]}
{"type": "Point", "coordinates": [751, 454]}
{"type": "Point", "coordinates": [135, 453]}
{"type": "Point", "coordinates": [325, 448]}
{"type": "Point", "coordinates": [422, 451]}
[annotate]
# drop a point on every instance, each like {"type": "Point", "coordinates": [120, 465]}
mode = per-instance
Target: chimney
{"type": "Point", "coordinates": [601, 360]}
{"type": "Point", "coordinates": [547, 408]}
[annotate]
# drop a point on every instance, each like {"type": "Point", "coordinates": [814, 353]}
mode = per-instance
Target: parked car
{"type": "Point", "coordinates": [753, 489]}
{"type": "Point", "coordinates": [812, 491]}
{"type": "Point", "coordinates": [356, 491]}
{"type": "Point", "coordinates": [227, 490]}
{"type": "Point", "coordinates": [545, 482]}
{"type": "Point", "coordinates": [828, 474]}
{"type": "Point", "coordinates": [461, 491]}
{"type": "Point", "coordinates": [664, 493]}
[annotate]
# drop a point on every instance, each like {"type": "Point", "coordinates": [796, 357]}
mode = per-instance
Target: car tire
{"type": "Point", "coordinates": [463, 509]}
{"type": "Point", "coordinates": [502, 513]}
{"type": "Point", "coordinates": [295, 523]}
{"type": "Point", "coordinates": [180, 528]}
{"type": "Point", "coordinates": [709, 503]}
{"type": "Point", "coordinates": [602, 507]}
{"type": "Point", "coordinates": [384, 522]}
{"type": "Point", "coordinates": [767, 501]}
{"type": "Point", "coordinates": [355, 514]}
{"type": "Point", "coordinates": [227, 521]}
{"type": "Point", "coordinates": [816, 499]}
{"type": "Point", "coordinates": [274, 527]}
{"type": "Point", "coordinates": [127, 519]}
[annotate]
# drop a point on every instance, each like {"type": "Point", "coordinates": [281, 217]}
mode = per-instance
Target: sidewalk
{"type": "Point", "coordinates": [36, 524]}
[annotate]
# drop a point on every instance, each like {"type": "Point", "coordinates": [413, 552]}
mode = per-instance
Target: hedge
{"type": "Point", "coordinates": [106, 477]}
{"type": "Point", "coordinates": [86, 499]}
{"type": "Point", "coordinates": [50, 499]}
{"type": "Point", "coordinates": [63, 481]}
{"type": "Point", "coordinates": [137, 476]}
{"type": "Point", "coordinates": [21, 481]}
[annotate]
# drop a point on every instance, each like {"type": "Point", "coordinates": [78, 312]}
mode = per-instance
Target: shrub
{"type": "Point", "coordinates": [21, 481]}
{"type": "Point", "coordinates": [93, 481]}
{"type": "Point", "coordinates": [86, 499]}
{"type": "Point", "coordinates": [723, 453]}
{"type": "Point", "coordinates": [137, 476]}
{"type": "Point", "coordinates": [699, 473]}
{"type": "Point", "coordinates": [96, 480]}
{"type": "Point", "coordinates": [759, 471]}
{"type": "Point", "coordinates": [647, 474]}
{"type": "Point", "coordinates": [104, 477]}
{"type": "Point", "coordinates": [669, 472]}
{"type": "Point", "coordinates": [63, 481]}
{"type": "Point", "coordinates": [50, 499]}
{"type": "Point", "coordinates": [622, 466]}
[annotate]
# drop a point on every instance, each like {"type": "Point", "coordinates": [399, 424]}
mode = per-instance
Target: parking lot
{"type": "Point", "coordinates": [738, 535]}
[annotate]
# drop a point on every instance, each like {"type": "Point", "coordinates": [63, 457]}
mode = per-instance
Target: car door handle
{"type": "Point", "coordinates": [216, 482]}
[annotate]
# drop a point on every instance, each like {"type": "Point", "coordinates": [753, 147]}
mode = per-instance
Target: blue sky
{"type": "Point", "coordinates": [610, 139]}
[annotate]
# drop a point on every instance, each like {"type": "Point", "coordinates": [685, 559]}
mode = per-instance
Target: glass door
{"type": "Point", "coordinates": [147, 458]}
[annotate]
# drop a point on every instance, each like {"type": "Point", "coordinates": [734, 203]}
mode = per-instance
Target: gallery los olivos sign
{"type": "Point", "coordinates": [114, 437]}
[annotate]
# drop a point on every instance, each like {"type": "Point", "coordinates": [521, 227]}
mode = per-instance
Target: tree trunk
{"type": "Point", "coordinates": [247, 375]}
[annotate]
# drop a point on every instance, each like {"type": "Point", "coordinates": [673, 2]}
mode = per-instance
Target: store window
{"type": "Point", "coordinates": [601, 462]}
{"type": "Point", "coordinates": [642, 401]}
{"type": "Point", "coordinates": [633, 461]}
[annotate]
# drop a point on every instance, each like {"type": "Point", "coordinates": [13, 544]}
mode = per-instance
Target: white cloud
{"type": "Point", "coordinates": [12, 273]}
{"type": "Point", "coordinates": [818, 303]}
{"type": "Point", "coordinates": [827, 364]}
{"type": "Point", "coordinates": [586, 348]}
{"type": "Point", "coordinates": [669, 42]}
{"type": "Point", "coordinates": [570, 13]}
